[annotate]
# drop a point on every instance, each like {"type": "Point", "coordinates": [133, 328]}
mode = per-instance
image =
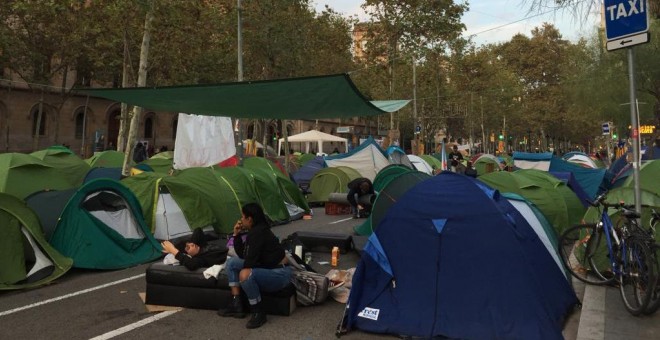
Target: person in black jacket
{"type": "Point", "coordinates": [139, 153]}
{"type": "Point", "coordinates": [261, 265]}
{"type": "Point", "coordinates": [455, 157]}
{"type": "Point", "coordinates": [198, 252]}
{"type": "Point", "coordinates": [357, 188]}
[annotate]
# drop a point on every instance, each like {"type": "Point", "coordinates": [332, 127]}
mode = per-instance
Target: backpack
{"type": "Point", "coordinates": [311, 287]}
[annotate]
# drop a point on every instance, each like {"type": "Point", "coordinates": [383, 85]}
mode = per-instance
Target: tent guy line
{"type": "Point", "coordinates": [135, 325]}
{"type": "Point", "coordinates": [37, 304]}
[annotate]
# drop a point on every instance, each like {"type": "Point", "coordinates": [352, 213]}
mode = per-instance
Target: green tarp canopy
{"type": "Point", "coordinates": [331, 96]}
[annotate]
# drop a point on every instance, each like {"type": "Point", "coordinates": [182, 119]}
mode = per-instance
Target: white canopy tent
{"type": "Point", "coordinates": [313, 136]}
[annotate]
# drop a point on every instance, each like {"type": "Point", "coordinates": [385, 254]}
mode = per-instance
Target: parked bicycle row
{"type": "Point", "coordinates": [622, 253]}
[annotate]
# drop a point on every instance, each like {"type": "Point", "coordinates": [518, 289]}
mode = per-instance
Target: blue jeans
{"type": "Point", "coordinates": [261, 279]}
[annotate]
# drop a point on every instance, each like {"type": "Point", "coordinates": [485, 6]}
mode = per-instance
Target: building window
{"type": "Point", "coordinates": [250, 131]}
{"type": "Point", "coordinates": [80, 124]}
{"type": "Point", "coordinates": [42, 125]}
{"type": "Point", "coordinates": [149, 127]}
{"type": "Point", "coordinates": [175, 123]}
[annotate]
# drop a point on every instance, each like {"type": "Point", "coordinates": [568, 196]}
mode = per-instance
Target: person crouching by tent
{"type": "Point", "coordinates": [198, 252]}
{"type": "Point", "coordinates": [261, 265]}
{"type": "Point", "coordinates": [357, 189]}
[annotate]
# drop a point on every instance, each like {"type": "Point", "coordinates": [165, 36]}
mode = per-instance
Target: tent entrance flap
{"type": "Point", "coordinates": [111, 209]}
{"type": "Point", "coordinates": [43, 267]}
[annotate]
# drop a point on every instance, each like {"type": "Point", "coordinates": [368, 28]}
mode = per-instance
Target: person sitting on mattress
{"type": "Point", "coordinates": [261, 265]}
{"type": "Point", "coordinates": [198, 252]}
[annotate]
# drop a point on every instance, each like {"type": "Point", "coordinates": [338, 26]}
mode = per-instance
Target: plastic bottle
{"type": "Point", "coordinates": [335, 256]}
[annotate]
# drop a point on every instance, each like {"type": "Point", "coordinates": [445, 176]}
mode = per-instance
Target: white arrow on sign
{"type": "Point", "coordinates": [628, 41]}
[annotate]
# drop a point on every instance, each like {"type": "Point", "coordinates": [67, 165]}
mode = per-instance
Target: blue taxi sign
{"type": "Point", "coordinates": [624, 18]}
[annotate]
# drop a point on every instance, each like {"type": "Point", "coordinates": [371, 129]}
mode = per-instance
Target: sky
{"type": "Point", "coordinates": [486, 16]}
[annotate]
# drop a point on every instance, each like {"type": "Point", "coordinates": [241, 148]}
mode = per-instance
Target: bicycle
{"type": "Point", "coordinates": [654, 221]}
{"type": "Point", "coordinates": [623, 255]}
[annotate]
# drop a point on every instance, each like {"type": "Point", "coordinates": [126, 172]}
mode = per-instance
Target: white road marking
{"type": "Point", "coordinates": [36, 304]}
{"type": "Point", "coordinates": [128, 328]}
{"type": "Point", "coordinates": [343, 220]}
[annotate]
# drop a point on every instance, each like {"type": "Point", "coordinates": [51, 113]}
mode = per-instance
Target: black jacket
{"type": "Point", "coordinates": [455, 157]}
{"type": "Point", "coordinates": [354, 188]}
{"type": "Point", "coordinates": [210, 255]}
{"type": "Point", "coordinates": [261, 250]}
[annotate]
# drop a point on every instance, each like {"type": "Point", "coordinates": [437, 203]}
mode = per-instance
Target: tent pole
{"type": "Point", "coordinates": [286, 146]}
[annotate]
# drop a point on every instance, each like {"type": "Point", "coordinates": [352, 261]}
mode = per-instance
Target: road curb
{"type": "Point", "coordinates": [592, 317]}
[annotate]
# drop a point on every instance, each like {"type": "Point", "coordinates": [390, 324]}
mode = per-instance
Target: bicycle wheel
{"type": "Point", "coordinates": [654, 302]}
{"type": "Point", "coordinates": [583, 250]}
{"type": "Point", "coordinates": [637, 275]}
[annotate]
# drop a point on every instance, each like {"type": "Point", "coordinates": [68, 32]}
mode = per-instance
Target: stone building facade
{"type": "Point", "coordinates": [65, 122]}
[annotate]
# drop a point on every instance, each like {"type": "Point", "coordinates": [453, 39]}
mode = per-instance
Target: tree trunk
{"type": "Point", "coordinates": [37, 129]}
{"type": "Point", "coordinates": [142, 81]}
{"type": "Point", "coordinates": [124, 116]}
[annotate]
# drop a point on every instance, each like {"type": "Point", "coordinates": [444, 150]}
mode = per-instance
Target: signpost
{"type": "Point", "coordinates": [627, 25]}
{"type": "Point", "coordinates": [606, 128]}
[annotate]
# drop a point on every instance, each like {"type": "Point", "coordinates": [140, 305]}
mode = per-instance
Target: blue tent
{"type": "Point", "coordinates": [396, 155]}
{"type": "Point", "coordinates": [589, 179]}
{"type": "Point", "coordinates": [94, 173]}
{"type": "Point", "coordinates": [453, 258]}
{"type": "Point", "coordinates": [569, 179]}
{"type": "Point", "coordinates": [650, 153]}
{"type": "Point", "coordinates": [304, 175]}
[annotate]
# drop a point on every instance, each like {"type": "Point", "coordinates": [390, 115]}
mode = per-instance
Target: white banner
{"type": "Point", "coordinates": [202, 141]}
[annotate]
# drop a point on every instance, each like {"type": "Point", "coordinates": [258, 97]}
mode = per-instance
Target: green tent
{"type": "Point", "coordinates": [481, 164]}
{"type": "Point", "coordinates": [22, 175]}
{"type": "Point", "coordinates": [547, 199]}
{"type": "Point", "coordinates": [159, 164]}
{"type": "Point", "coordinates": [649, 183]}
{"type": "Point", "coordinates": [256, 163]}
{"type": "Point", "coordinates": [574, 208]}
{"type": "Point", "coordinates": [102, 227]}
{"type": "Point", "coordinates": [435, 163]}
{"type": "Point", "coordinates": [276, 191]}
{"type": "Point", "coordinates": [167, 220]}
{"type": "Point", "coordinates": [106, 159]}
{"type": "Point", "coordinates": [388, 173]}
{"type": "Point", "coordinates": [649, 177]}
{"type": "Point", "coordinates": [26, 258]}
{"type": "Point", "coordinates": [164, 154]}
{"type": "Point", "coordinates": [330, 180]}
{"type": "Point", "coordinates": [71, 167]}
{"type": "Point", "coordinates": [220, 196]}
{"type": "Point", "coordinates": [304, 158]}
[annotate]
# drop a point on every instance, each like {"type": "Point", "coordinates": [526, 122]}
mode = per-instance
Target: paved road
{"type": "Point", "coordinates": [105, 304]}
{"type": "Point", "coordinates": [87, 304]}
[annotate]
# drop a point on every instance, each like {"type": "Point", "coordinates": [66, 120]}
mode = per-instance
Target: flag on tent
{"type": "Point", "coordinates": [444, 157]}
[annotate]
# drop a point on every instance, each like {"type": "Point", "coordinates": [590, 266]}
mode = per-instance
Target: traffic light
{"type": "Point", "coordinates": [501, 136]}
{"type": "Point", "coordinates": [614, 135]}
{"type": "Point", "coordinates": [276, 136]}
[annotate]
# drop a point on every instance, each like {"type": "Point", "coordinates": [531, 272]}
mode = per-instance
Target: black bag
{"type": "Point", "coordinates": [311, 288]}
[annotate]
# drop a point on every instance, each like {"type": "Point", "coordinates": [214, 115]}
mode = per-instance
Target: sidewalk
{"type": "Point", "coordinates": [603, 317]}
